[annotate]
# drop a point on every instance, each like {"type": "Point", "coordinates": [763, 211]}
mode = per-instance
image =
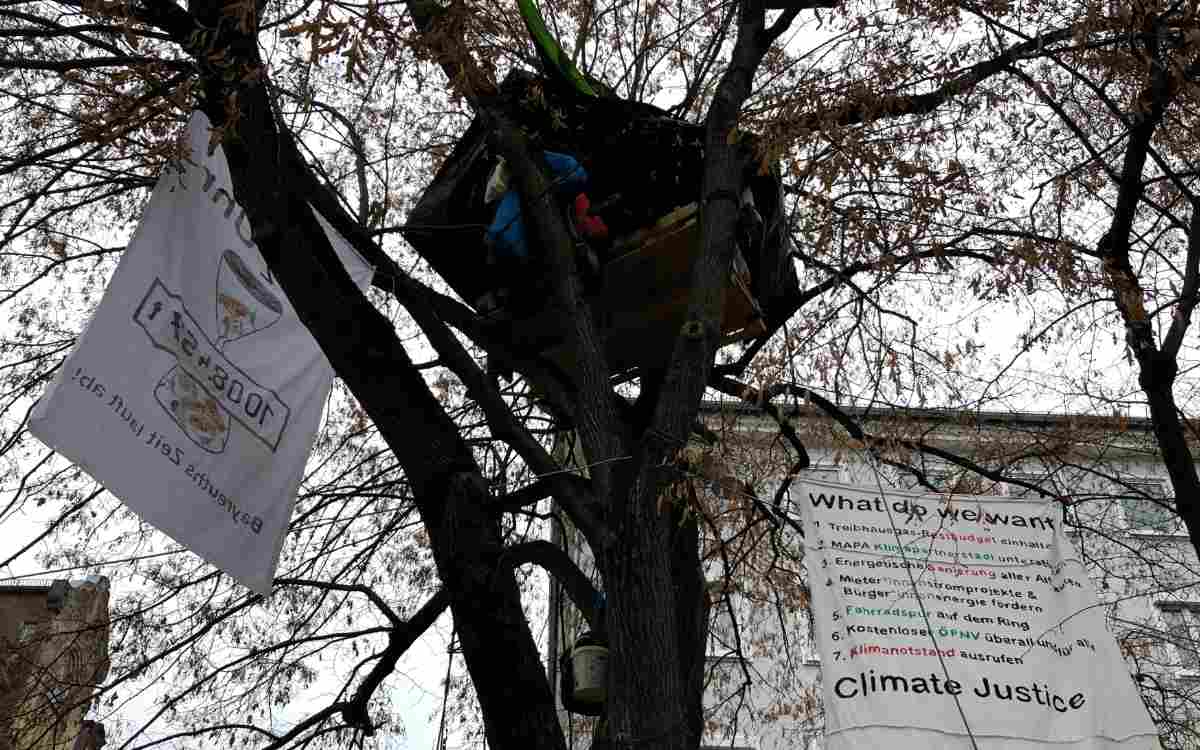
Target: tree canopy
{"type": "Point", "coordinates": [990, 206]}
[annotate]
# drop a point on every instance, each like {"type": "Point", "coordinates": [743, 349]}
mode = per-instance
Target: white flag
{"type": "Point", "coordinates": [194, 393]}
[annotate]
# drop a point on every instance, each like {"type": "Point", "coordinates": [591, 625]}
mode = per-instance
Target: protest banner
{"type": "Point", "coordinates": [964, 622]}
{"type": "Point", "coordinates": [195, 392]}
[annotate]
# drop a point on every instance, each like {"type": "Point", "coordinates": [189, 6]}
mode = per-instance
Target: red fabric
{"type": "Point", "coordinates": [591, 227]}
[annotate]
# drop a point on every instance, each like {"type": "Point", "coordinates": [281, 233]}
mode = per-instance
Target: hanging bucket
{"type": "Point", "coordinates": [589, 662]}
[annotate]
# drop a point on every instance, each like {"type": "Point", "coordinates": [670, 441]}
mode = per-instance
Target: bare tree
{"type": "Point", "coordinates": [933, 153]}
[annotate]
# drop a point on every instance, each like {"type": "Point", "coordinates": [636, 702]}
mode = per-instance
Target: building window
{"type": "Point", "coordinates": [805, 737]}
{"type": "Point", "coordinates": [726, 671]}
{"type": "Point", "coordinates": [26, 632]}
{"type": "Point", "coordinates": [1182, 623]}
{"type": "Point", "coordinates": [824, 472]}
{"type": "Point", "coordinates": [1136, 648]}
{"type": "Point", "coordinates": [56, 698]}
{"type": "Point", "coordinates": [1144, 504]}
{"type": "Point", "coordinates": [721, 638]}
{"type": "Point", "coordinates": [1040, 480]}
{"type": "Point", "coordinates": [950, 480]}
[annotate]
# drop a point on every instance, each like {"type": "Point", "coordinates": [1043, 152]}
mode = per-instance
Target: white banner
{"type": "Point", "coordinates": [194, 393]}
{"type": "Point", "coordinates": [959, 624]}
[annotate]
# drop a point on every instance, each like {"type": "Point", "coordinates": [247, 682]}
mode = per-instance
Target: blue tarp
{"type": "Point", "coordinates": [506, 234]}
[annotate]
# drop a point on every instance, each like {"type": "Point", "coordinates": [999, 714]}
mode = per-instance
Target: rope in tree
{"type": "Point", "coordinates": [555, 61]}
{"type": "Point", "coordinates": [440, 744]}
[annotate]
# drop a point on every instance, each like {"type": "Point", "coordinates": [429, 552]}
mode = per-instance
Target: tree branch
{"type": "Point", "coordinates": [563, 569]}
{"type": "Point", "coordinates": [164, 15]}
{"type": "Point", "coordinates": [89, 63]}
{"type": "Point", "coordinates": [1190, 294]}
{"type": "Point", "coordinates": [430, 310]}
{"type": "Point", "coordinates": [367, 591]}
{"type": "Point", "coordinates": [871, 442]}
{"type": "Point", "coordinates": [918, 104]}
{"type": "Point", "coordinates": [540, 489]}
{"type": "Point", "coordinates": [838, 277]}
{"type": "Point", "coordinates": [400, 638]}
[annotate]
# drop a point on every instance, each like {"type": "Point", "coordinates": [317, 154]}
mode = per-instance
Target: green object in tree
{"type": "Point", "coordinates": [556, 62]}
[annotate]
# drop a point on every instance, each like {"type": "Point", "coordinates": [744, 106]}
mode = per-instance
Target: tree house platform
{"type": "Point", "coordinates": [644, 172]}
{"type": "Point", "coordinates": [644, 297]}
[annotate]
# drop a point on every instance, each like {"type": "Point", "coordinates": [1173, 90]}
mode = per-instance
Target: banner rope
{"type": "Point", "coordinates": [921, 602]}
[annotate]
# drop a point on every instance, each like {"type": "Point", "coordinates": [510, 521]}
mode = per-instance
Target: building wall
{"type": "Point", "coordinates": [20, 605]}
{"type": "Point", "coordinates": [51, 669]}
{"type": "Point", "coordinates": [22, 610]}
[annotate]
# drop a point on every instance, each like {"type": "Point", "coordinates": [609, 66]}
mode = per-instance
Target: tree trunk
{"type": "Point", "coordinates": [499, 649]}
{"type": "Point", "coordinates": [655, 617]}
{"type": "Point", "coordinates": [1157, 378]}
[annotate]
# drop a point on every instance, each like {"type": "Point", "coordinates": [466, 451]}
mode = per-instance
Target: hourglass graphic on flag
{"type": "Point", "coordinates": [244, 306]}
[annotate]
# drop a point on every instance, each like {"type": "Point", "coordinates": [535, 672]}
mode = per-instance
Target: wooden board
{"type": "Point", "coordinates": [644, 296]}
